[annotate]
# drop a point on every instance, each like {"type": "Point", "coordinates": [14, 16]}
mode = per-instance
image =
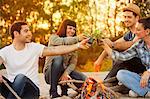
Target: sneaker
{"type": "Point", "coordinates": [148, 94]}
{"type": "Point", "coordinates": [133, 94]}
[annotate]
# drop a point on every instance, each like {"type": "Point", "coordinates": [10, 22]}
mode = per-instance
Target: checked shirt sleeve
{"type": "Point", "coordinates": [126, 55]}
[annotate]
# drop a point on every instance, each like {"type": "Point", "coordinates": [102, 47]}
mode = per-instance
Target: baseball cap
{"type": "Point", "coordinates": [132, 7]}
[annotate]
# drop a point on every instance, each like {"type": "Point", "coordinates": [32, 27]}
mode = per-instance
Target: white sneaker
{"type": "Point", "coordinates": [133, 94]}
{"type": "Point", "coordinates": [148, 94]}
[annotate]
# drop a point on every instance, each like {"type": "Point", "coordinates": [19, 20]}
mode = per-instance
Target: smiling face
{"type": "Point", "coordinates": [140, 31]}
{"type": "Point", "coordinates": [25, 34]}
{"type": "Point", "coordinates": [129, 19]}
{"type": "Point", "coordinates": [70, 31]}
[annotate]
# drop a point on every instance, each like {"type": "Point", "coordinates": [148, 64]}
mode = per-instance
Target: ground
{"type": "Point", "coordinates": [44, 88]}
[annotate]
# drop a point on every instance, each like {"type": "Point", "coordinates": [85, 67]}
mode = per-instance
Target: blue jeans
{"type": "Point", "coordinates": [23, 86]}
{"type": "Point", "coordinates": [54, 72]}
{"type": "Point", "coordinates": [132, 81]}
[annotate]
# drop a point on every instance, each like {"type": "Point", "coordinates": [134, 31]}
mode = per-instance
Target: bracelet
{"type": "Point", "coordinates": [78, 45]}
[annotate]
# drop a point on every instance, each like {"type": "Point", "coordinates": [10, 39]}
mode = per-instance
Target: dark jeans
{"type": "Point", "coordinates": [134, 65]}
{"type": "Point", "coordinates": [23, 86]}
{"type": "Point", "coordinates": [54, 72]}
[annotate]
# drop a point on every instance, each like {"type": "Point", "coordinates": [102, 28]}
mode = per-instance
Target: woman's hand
{"type": "Point", "coordinates": [97, 65]}
{"type": "Point", "coordinates": [106, 47]}
{"type": "Point", "coordinates": [144, 79]}
{"type": "Point", "coordinates": [81, 37]}
{"type": "Point", "coordinates": [65, 76]}
{"type": "Point", "coordinates": [84, 44]}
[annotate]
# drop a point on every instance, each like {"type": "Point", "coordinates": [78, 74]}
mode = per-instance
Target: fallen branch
{"type": "Point", "coordinates": [71, 81]}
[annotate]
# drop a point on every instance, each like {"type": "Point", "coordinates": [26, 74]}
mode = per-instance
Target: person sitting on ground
{"type": "Point", "coordinates": [131, 14]}
{"type": "Point", "coordinates": [139, 84]}
{"type": "Point", "coordinates": [21, 61]}
{"type": "Point", "coordinates": [61, 68]}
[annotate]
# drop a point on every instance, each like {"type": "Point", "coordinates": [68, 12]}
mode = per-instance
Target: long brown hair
{"type": "Point", "coordinates": [63, 26]}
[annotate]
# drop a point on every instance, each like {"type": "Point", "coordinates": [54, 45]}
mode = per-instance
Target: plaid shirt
{"type": "Point", "coordinates": [139, 50]}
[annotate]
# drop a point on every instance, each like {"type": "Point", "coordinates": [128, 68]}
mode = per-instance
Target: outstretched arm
{"type": "Point", "coordinates": [98, 62]}
{"type": "Point", "coordinates": [107, 49]}
{"type": "Point", "coordinates": [122, 45]}
{"type": "Point", "coordinates": [59, 50]}
{"type": "Point", "coordinates": [126, 55]}
{"type": "Point", "coordinates": [55, 40]}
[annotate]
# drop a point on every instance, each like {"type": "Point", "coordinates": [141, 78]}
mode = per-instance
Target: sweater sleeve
{"type": "Point", "coordinates": [55, 40]}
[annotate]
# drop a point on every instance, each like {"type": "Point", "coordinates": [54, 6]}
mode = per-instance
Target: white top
{"type": "Point", "coordinates": [22, 62]}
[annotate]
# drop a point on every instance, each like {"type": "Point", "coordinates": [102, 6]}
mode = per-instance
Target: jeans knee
{"type": "Point", "coordinates": [20, 78]}
{"type": "Point", "coordinates": [121, 75]}
{"type": "Point", "coordinates": [57, 61]}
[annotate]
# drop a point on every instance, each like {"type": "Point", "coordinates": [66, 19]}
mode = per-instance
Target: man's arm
{"type": "Point", "coordinates": [56, 40]}
{"type": "Point", "coordinates": [119, 44]}
{"type": "Point", "coordinates": [59, 50]}
{"type": "Point", "coordinates": [122, 45]}
{"type": "Point", "coordinates": [115, 55]}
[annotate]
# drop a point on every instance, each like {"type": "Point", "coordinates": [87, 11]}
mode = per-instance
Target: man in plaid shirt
{"type": "Point", "coordinates": [139, 85]}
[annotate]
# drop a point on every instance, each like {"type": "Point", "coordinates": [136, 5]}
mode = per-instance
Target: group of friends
{"type": "Point", "coordinates": [130, 54]}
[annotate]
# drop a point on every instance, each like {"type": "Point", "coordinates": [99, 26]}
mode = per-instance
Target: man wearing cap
{"type": "Point", "coordinates": [131, 14]}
